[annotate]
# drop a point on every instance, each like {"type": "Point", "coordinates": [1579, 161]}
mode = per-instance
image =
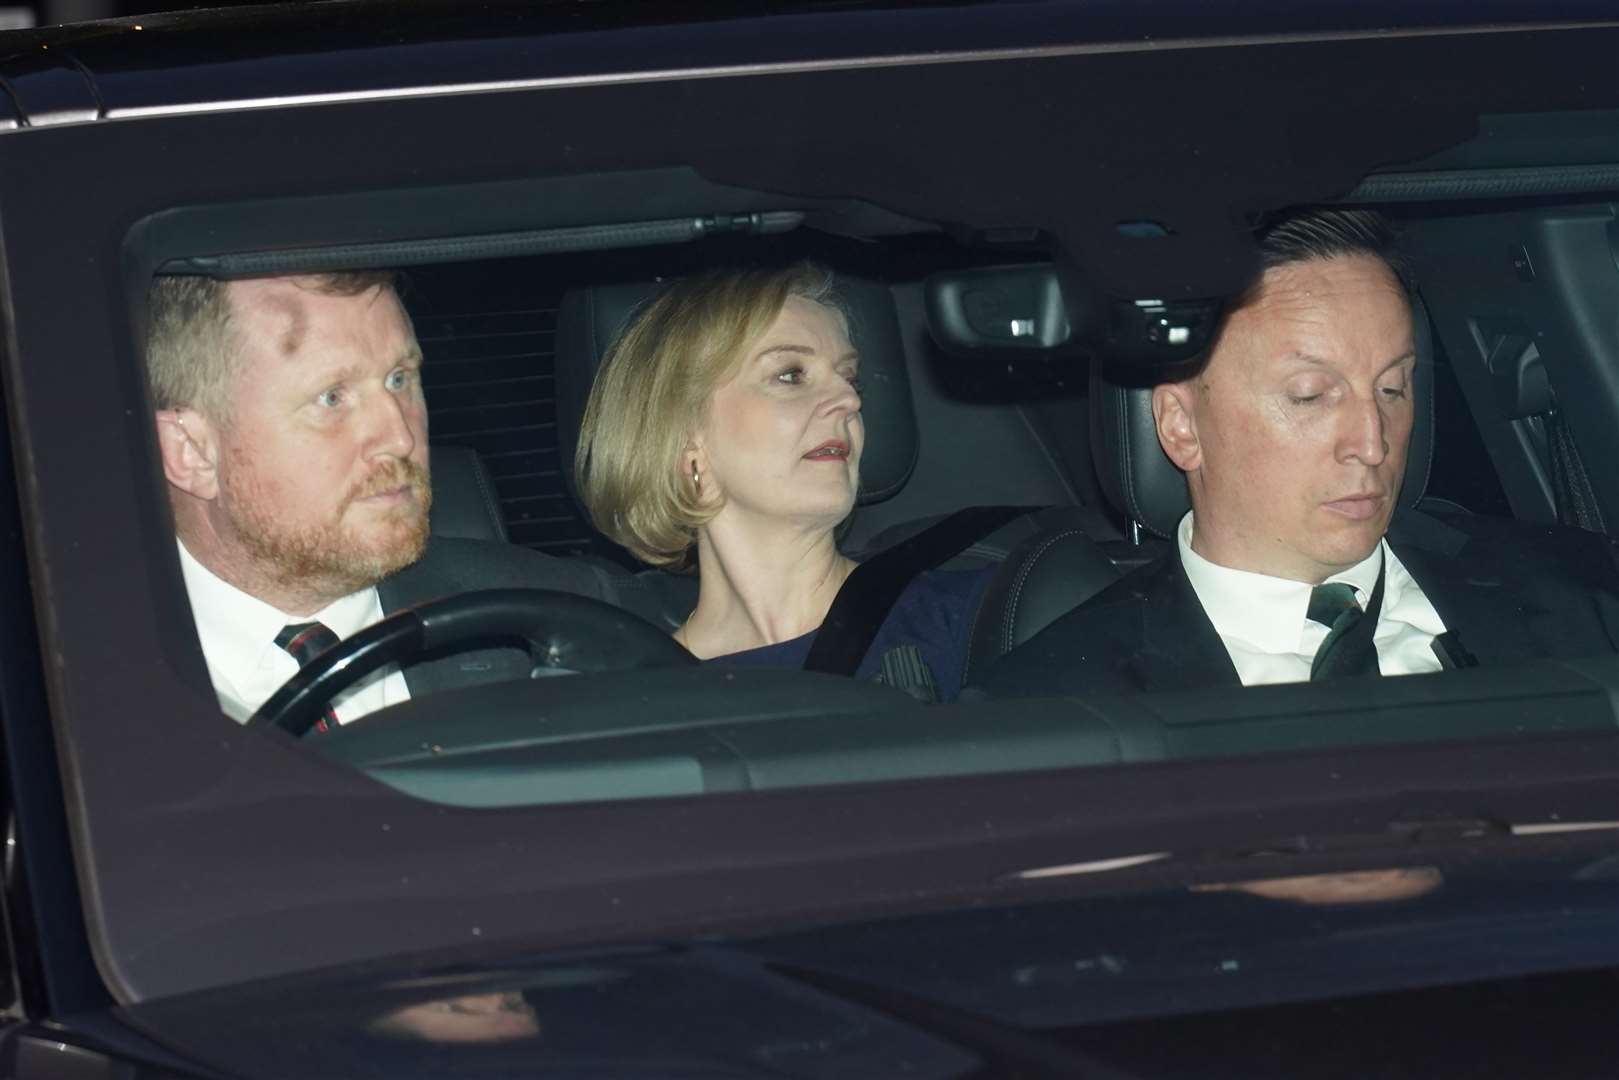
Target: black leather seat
{"type": "Point", "coordinates": [465, 503]}
{"type": "Point", "coordinates": [1144, 485]}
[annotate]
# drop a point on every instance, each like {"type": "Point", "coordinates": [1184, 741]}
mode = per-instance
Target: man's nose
{"type": "Point", "coordinates": [1364, 433]}
{"type": "Point", "coordinates": [393, 427]}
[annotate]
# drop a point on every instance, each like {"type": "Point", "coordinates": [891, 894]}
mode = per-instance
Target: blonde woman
{"type": "Point", "coordinates": [724, 431]}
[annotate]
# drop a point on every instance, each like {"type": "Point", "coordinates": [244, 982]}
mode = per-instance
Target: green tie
{"type": "Point", "coordinates": [1334, 606]}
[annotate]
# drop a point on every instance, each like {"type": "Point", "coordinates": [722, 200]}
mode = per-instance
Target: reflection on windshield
{"type": "Point", "coordinates": [1353, 887]}
{"type": "Point", "coordinates": [467, 1018]}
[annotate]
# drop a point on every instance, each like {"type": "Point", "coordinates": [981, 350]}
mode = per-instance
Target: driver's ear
{"type": "Point", "coordinates": [189, 444]}
{"type": "Point", "coordinates": [1176, 422]}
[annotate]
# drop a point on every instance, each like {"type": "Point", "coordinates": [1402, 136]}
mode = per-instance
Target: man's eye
{"type": "Point", "coordinates": [1303, 399]}
{"type": "Point", "coordinates": [330, 399]}
{"type": "Point", "coordinates": [398, 379]}
{"type": "Point", "coordinates": [1394, 392]}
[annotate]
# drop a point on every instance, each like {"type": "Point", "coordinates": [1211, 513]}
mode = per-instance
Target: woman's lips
{"type": "Point", "coordinates": [1357, 507]}
{"type": "Point", "coordinates": [831, 450]}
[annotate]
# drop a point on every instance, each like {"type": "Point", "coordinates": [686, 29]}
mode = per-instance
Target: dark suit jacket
{"type": "Point", "coordinates": [455, 566]}
{"type": "Point", "coordinates": [1506, 591]}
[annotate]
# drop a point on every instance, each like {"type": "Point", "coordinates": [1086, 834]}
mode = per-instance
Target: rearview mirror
{"type": "Point", "coordinates": [1003, 307]}
{"type": "Point", "coordinates": [1037, 308]}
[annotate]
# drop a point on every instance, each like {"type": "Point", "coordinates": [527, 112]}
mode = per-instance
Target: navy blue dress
{"type": "Point", "coordinates": [935, 613]}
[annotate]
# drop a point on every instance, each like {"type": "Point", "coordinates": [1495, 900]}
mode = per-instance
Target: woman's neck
{"type": "Point", "coordinates": [761, 583]}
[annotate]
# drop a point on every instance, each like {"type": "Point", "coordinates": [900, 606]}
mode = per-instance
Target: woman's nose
{"type": "Point", "coordinates": [844, 397]}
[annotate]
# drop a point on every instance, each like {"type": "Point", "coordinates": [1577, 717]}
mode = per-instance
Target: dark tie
{"type": "Point", "coordinates": [1342, 653]}
{"type": "Point", "coordinates": [303, 642]}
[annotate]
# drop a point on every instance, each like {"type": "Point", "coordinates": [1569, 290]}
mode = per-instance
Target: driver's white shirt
{"type": "Point", "coordinates": [238, 632]}
{"type": "Point", "coordinates": [1261, 618]}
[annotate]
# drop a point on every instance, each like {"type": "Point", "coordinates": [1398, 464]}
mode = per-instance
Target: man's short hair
{"type": "Point", "coordinates": [191, 345]}
{"type": "Point", "coordinates": [1299, 236]}
{"type": "Point", "coordinates": [652, 390]}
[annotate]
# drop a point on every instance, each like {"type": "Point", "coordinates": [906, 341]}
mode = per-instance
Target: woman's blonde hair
{"type": "Point", "coordinates": [652, 391]}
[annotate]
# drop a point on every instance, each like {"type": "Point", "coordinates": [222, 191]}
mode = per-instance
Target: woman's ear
{"type": "Point", "coordinates": [189, 444]}
{"type": "Point", "coordinates": [693, 464]}
{"type": "Point", "coordinates": [1176, 422]}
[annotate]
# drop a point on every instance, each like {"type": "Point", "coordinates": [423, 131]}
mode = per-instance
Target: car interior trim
{"type": "Point", "coordinates": [731, 71]}
{"type": "Point", "coordinates": [631, 234]}
{"type": "Point", "coordinates": [1458, 184]}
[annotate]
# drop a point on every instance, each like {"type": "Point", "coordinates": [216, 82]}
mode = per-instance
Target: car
{"type": "Point", "coordinates": [678, 871]}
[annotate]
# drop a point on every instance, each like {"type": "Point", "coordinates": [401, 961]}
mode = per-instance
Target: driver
{"type": "Point", "coordinates": [293, 433]}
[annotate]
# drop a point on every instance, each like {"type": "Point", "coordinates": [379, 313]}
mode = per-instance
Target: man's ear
{"type": "Point", "coordinates": [1172, 415]}
{"type": "Point", "coordinates": [189, 444]}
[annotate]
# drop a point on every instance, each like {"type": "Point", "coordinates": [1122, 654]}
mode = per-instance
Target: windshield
{"type": "Point", "coordinates": [702, 493]}
{"type": "Point", "coordinates": [655, 529]}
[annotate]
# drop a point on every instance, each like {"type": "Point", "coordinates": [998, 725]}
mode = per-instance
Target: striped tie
{"type": "Point", "coordinates": [303, 642]}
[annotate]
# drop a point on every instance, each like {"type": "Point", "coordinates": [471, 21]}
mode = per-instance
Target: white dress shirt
{"type": "Point", "coordinates": [1262, 621]}
{"type": "Point", "coordinates": [238, 634]}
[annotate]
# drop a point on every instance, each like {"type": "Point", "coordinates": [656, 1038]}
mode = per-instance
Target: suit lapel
{"type": "Point", "coordinates": [1470, 594]}
{"type": "Point", "coordinates": [1179, 647]}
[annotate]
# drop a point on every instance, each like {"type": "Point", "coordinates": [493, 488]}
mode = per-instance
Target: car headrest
{"type": "Point", "coordinates": [465, 503]}
{"type": "Point", "coordinates": [1142, 483]}
{"type": "Point", "coordinates": [590, 319]}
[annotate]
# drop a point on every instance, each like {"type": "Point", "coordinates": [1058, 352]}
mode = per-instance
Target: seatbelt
{"type": "Point", "coordinates": [1571, 483]}
{"type": "Point", "coordinates": [870, 592]}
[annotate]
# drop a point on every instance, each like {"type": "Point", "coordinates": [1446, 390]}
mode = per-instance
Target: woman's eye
{"type": "Point", "coordinates": [792, 376]}
{"type": "Point", "coordinates": [1303, 399]}
{"type": "Point", "coordinates": [1394, 392]}
{"type": "Point", "coordinates": [330, 399]}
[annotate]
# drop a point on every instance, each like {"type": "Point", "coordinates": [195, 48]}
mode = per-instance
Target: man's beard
{"type": "Point", "coordinates": [331, 560]}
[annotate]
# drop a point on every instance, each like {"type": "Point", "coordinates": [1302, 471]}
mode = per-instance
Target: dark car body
{"type": "Point", "coordinates": [185, 895]}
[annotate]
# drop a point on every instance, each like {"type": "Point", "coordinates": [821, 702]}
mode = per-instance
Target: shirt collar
{"type": "Point", "coordinates": [1264, 611]}
{"type": "Point", "coordinates": [236, 628]}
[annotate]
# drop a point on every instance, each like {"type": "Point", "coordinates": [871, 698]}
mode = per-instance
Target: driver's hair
{"type": "Point", "coordinates": [652, 391]}
{"type": "Point", "coordinates": [191, 344]}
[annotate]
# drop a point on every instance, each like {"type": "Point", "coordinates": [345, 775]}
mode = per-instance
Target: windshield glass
{"type": "Point", "coordinates": [660, 519]}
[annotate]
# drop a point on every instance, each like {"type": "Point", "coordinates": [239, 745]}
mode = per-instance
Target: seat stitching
{"type": "Point", "coordinates": [1126, 464]}
{"type": "Point", "coordinates": [1016, 594]}
{"type": "Point", "coordinates": [491, 500]}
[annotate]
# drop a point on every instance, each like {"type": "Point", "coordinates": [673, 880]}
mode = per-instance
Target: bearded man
{"type": "Point", "coordinates": [293, 431]}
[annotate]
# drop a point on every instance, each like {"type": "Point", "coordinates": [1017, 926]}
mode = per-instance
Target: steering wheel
{"type": "Point", "coordinates": [562, 632]}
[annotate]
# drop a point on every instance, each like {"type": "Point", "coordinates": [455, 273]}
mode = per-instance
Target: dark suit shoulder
{"type": "Point", "coordinates": [1514, 590]}
{"type": "Point", "coordinates": [1528, 551]}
